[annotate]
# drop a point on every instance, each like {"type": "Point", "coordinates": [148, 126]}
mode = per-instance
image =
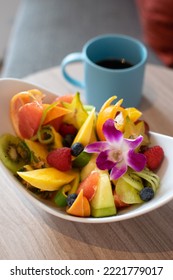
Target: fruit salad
{"type": "Point", "coordinates": [91, 164]}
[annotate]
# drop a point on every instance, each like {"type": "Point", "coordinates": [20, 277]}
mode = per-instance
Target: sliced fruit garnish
{"type": "Point", "coordinates": [68, 98]}
{"type": "Point", "coordinates": [78, 113]}
{"type": "Point", "coordinates": [127, 193]}
{"type": "Point", "coordinates": [133, 113]}
{"type": "Point", "coordinates": [118, 202]}
{"type": "Point", "coordinates": [13, 152]}
{"type": "Point", "coordinates": [108, 103]}
{"type": "Point", "coordinates": [151, 179]}
{"type": "Point", "coordinates": [81, 160]}
{"type": "Point", "coordinates": [108, 111]}
{"type": "Point", "coordinates": [102, 204]}
{"type": "Point", "coordinates": [80, 207]}
{"type": "Point", "coordinates": [49, 179]}
{"type": "Point", "coordinates": [85, 132]}
{"type": "Point", "coordinates": [89, 167]}
{"type": "Point", "coordinates": [53, 111]}
{"type": "Point", "coordinates": [17, 102]}
{"type": "Point", "coordinates": [134, 180]}
{"type": "Point", "coordinates": [89, 185]}
{"type": "Point", "coordinates": [132, 130]}
{"type": "Point", "coordinates": [38, 151]}
{"type": "Point", "coordinates": [61, 196]}
{"type": "Point", "coordinates": [29, 117]}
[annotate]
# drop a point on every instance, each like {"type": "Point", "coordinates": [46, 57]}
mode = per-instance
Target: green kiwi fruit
{"type": "Point", "coordinates": [13, 152]}
{"type": "Point", "coordinates": [133, 180]}
{"type": "Point", "coordinates": [150, 178]}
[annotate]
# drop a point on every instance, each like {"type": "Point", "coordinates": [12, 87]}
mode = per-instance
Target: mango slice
{"type": "Point", "coordinates": [85, 132]}
{"type": "Point", "coordinates": [48, 179]}
{"type": "Point", "coordinates": [39, 150]}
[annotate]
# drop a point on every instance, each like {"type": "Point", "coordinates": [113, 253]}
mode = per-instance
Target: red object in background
{"type": "Point", "coordinates": [157, 23]}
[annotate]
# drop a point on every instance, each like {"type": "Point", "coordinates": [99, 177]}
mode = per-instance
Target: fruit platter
{"type": "Point", "coordinates": [79, 164]}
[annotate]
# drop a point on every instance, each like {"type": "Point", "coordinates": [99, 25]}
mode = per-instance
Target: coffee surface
{"type": "Point", "coordinates": [112, 63]}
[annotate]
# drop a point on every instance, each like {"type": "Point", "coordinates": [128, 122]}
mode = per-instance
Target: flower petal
{"type": "Point", "coordinates": [97, 147]}
{"type": "Point", "coordinates": [118, 170]}
{"type": "Point", "coordinates": [103, 161]}
{"type": "Point", "coordinates": [137, 161]}
{"type": "Point", "coordinates": [111, 134]}
{"type": "Point", "coordinates": [133, 143]}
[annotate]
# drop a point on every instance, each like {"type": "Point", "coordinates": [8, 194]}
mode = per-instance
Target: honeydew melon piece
{"type": "Point", "coordinates": [127, 193]}
{"type": "Point", "coordinates": [102, 204]}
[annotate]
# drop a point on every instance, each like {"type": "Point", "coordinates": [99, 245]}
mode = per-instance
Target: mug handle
{"type": "Point", "coordinates": [71, 58]}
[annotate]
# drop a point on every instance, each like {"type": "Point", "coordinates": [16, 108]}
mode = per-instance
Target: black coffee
{"type": "Point", "coordinates": [112, 63]}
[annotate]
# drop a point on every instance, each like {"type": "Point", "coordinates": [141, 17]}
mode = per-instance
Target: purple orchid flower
{"type": "Point", "coordinates": [117, 152]}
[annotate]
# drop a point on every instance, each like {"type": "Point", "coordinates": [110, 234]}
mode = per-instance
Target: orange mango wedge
{"type": "Point", "coordinates": [47, 179]}
{"type": "Point", "coordinates": [54, 113]}
{"type": "Point", "coordinates": [80, 206]}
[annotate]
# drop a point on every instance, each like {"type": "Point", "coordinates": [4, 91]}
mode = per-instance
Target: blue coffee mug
{"type": "Point", "coordinates": [102, 80]}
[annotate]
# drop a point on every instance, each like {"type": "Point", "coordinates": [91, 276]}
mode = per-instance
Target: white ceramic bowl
{"type": "Point", "coordinates": [8, 88]}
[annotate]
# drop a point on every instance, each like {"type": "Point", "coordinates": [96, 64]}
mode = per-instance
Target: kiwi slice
{"type": "Point", "coordinates": [133, 180]}
{"type": "Point", "coordinates": [13, 152]}
{"type": "Point", "coordinates": [150, 178]}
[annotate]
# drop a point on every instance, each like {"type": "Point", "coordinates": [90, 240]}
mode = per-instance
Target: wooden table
{"type": "Point", "coordinates": [27, 232]}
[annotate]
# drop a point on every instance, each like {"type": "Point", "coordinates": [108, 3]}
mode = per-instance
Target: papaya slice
{"type": "Point", "coordinates": [80, 206]}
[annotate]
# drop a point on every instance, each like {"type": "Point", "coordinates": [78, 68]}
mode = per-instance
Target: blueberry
{"type": "Point", "coordinates": [71, 198]}
{"type": "Point", "coordinates": [76, 149]}
{"type": "Point", "coordinates": [146, 194]}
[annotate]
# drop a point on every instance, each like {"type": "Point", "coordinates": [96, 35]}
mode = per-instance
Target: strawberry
{"type": "Point", "coordinates": [154, 156]}
{"type": "Point", "coordinates": [60, 159]}
{"type": "Point", "coordinates": [66, 128]}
